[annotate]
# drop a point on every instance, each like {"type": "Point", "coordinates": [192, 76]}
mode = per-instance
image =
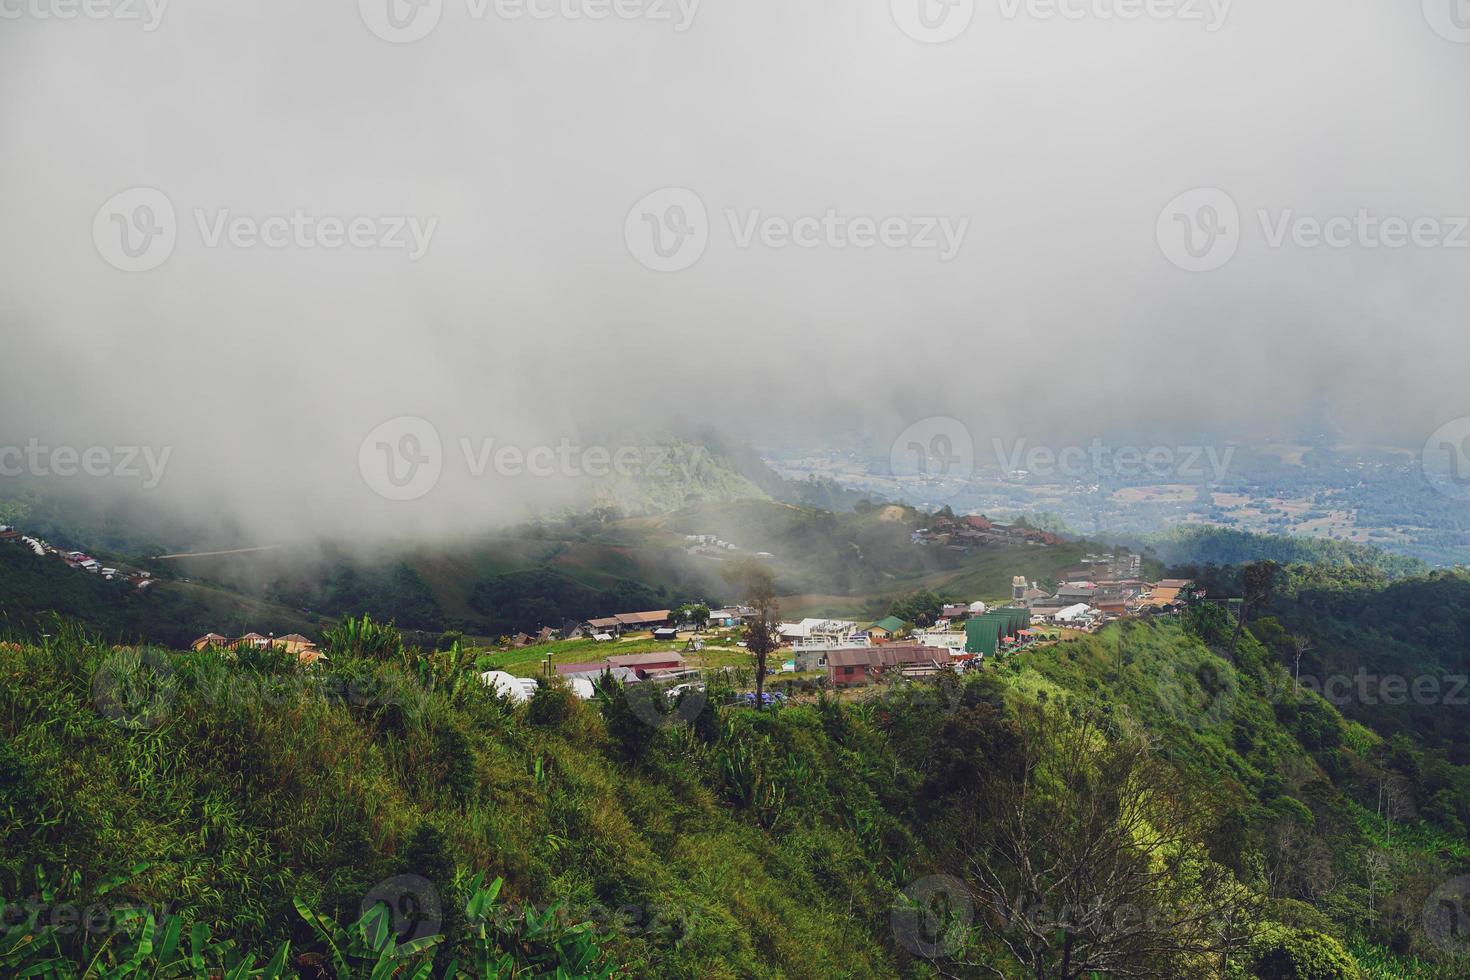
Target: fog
{"type": "Point", "coordinates": [497, 162]}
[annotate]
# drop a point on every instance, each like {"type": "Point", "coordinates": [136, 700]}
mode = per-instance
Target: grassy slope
{"type": "Point", "coordinates": [241, 802]}
{"type": "Point", "coordinates": [720, 651]}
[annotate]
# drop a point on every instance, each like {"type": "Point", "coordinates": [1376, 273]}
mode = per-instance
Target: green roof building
{"type": "Point", "coordinates": [983, 634]}
{"type": "Point", "coordinates": [889, 625]}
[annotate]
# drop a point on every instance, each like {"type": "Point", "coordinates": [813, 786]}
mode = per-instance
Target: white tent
{"type": "Point", "coordinates": [1073, 613]}
{"type": "Point", "coordinates": [518, 689]}
{"type": "Point", "coordinates": [583, 688]}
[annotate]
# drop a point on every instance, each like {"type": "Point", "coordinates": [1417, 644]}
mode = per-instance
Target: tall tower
{"type": "Point", "coordinates": [1018, 588]}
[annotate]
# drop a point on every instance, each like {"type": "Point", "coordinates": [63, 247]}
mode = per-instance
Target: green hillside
{"type": "Point", "coordinates": [35, 591]}
{"type": "Point", "coordinates": [574, 567]}
{"type": "Point", "coordinates": [1124, 803]}
{"type": "Point", "coordinates": [1201, 545]}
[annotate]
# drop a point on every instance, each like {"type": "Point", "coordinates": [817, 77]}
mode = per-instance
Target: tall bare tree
{"type": "Point", "coordinates": [1299, 644]}
{"type": "Point", "coordinates": [757, 584]}
{"type": "Point", "coordinates": [1086, 853]}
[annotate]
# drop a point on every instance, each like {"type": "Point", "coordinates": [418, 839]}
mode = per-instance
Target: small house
{"type": "Point", "coordinates": [886, 628]}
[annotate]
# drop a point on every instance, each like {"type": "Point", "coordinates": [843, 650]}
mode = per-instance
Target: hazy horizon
{"type": "Point", "coordinates": [860, 231]}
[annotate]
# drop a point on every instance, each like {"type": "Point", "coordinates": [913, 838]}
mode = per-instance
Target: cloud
{"type": "Point", "coordinates": [528, 318]}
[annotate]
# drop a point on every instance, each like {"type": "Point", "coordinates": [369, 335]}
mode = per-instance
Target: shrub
{"type": "Point", "coordinates": [551, 705]}
{"type": "Point", "coordinates": [1286, 954]}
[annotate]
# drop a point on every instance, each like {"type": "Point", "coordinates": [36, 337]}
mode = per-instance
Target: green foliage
{"type": "Point", "coordinates": [921, 608]}
{"type": "Point", "coordinates": [720, 842]}
{"type": "Point", "coordinates": [551, 705]}
{"type": "Point", "coordinates": [1287, 954]}
{"type": "Point", "coordinates": [363, 638]}
{"type": "Point", "coordinates": [528, 600]}
{"type": "Point", "coordinates": [1199, 545]}
{"type": "Point", "coordinates": [1209, 622]}
{"type": "Point", "coordinates": [692, 612]}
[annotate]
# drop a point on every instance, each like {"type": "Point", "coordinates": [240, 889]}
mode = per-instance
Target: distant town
{"type": "Point", "coordinates": [79, 560]}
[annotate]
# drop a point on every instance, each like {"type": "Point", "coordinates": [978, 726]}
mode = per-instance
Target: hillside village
{"type": "Point", "coordinates": [1098, 589]}
{"type": "Point", "coordinates": [961, 534]}
{"type": "Point", "coordinates": [849, 653]}
{"type": "Point", "coordinates": [672, 644]}
{"type": "Point", "coordinates": [79, 560]}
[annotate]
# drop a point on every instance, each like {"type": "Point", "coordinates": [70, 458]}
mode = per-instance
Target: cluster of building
{"type": "Point", "coordinates": [292, 643]}
{"type": "Point", "coordinates": [854, 655]}
{"type": "Point", "coordinates": [79, 560]}
{"type": "Point", "coordinates": [659, 622]}
{"type": "Point", "coordinates": [631, 669]}
{"type": "Point", "coordinates": [870, 654]}
{"type": "Point", "coordinates": [1087, 600]}
{"type": "Point", "coordinates": [608, 627]}
{"type": "Point", "coordinates": [713, 544]}
{"type": "Point", "coordinates": [708, 542]}
{"type": "Point", "coordinates": [976, 530]}
{"type": "Point", "coordinates": [858, 667]}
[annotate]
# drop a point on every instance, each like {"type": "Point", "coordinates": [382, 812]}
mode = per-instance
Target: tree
{"type": "Point", "coordinates": [696, 613]}
{"type": "Point", "coordinates": [758, 584]}
{"type": "Point", "coordinates": [1300, 645]}
{"type": "Point", "coordinates": [921, 608]}
{"type": "Point", "coordinates": [1260, 578]}
{"type": "Point", "coordinates": [1073, 832]}
{"type": "Point", "coordinates": [1206, 620]}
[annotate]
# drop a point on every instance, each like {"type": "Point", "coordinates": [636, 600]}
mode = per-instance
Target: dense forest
{"type": "Point", "coordinates": [1200, 545]}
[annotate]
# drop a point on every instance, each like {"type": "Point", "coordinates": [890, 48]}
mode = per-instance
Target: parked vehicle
{"type": "Point", "coordinates": [769, 699]}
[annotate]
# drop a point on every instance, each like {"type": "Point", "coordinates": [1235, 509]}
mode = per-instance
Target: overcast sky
{"type": "Point", "coordinates": [1001, 245]}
